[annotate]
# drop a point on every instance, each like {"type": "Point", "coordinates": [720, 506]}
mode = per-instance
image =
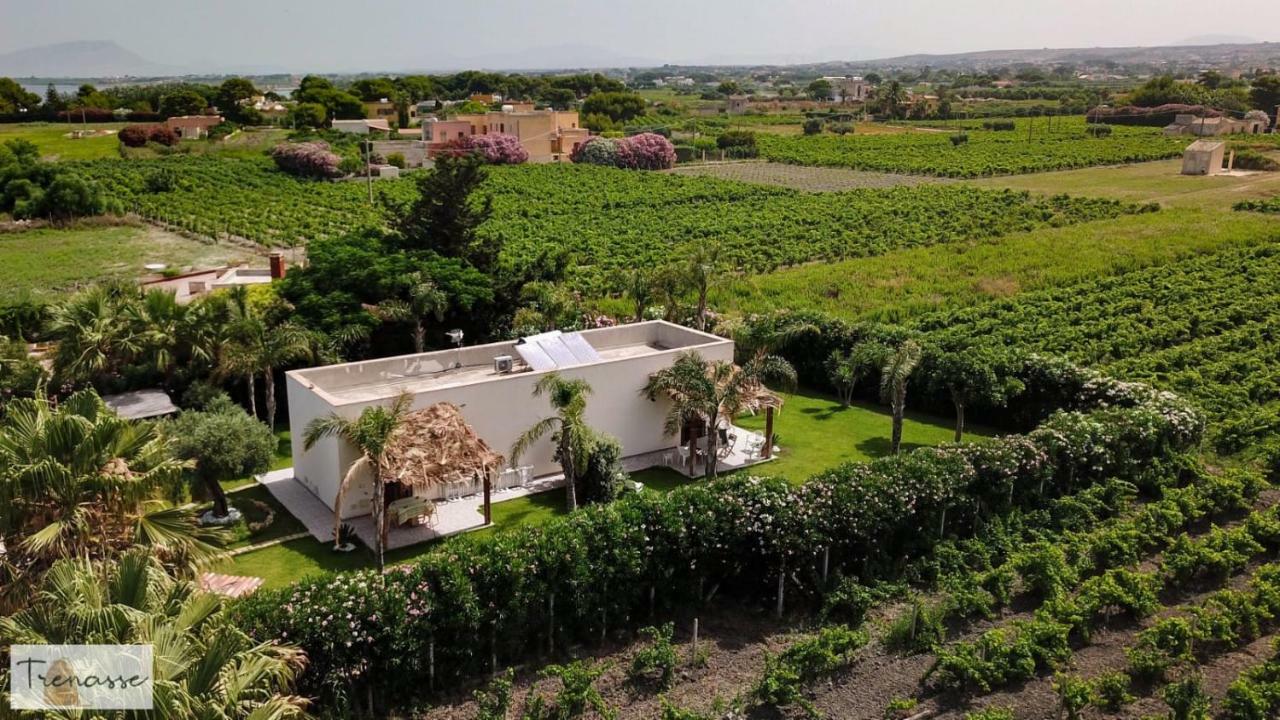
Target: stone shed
{"type": "Point", "coordinates": [1203, 157]}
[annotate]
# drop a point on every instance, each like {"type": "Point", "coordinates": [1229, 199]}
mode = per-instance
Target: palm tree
{"type": "Point", "coordinates": [78, 481]}
{"type": "Point", "coordinates": [846, 369]}
{"type": "Point", "coordinates": [94, 332]}
{"type": "Point", "coordinates": [370, 433]}
{"type": "Point", "coordinates": [425, 300]}
{"type": "Point", "coordinates": [207, 667]}
{"type": "Point", "coordinates": [894, 375]}
{"type": "Point", "coordinates": [568, 428]}
{"type": "Point", "coordinates": [712, 390]}
{"type": "Point", "coordinates": [704, 271]}
{"type": "Point", "coordinates": [257, 345]}
{"type": "Point", "coordinates": [638, 283]}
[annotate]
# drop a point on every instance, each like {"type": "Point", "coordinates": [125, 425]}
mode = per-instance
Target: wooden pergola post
{"type": "Point", "coordinates": [488, 502]}
{"type": "Point", "coordinates": [767, 450]}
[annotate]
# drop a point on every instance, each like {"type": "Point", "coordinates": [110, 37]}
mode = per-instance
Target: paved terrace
{"type": "Point", "coordinates": [467, 513]}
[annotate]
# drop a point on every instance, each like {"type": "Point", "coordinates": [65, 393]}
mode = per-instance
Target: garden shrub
{"type": "Point", "coordinates": [307, 159]}
{"type": "Point", "coordinates": [493, 701]}
{"type": "Point", "coordinates": [991, 713]}
{"type": "Point", "coordinates": [134, 136]}
{"type": "Point", "coordinates": [396, 159]}
{"type": "Point", "coordinates": [1250, 159]}
{"type": "Point", "coordinates": [602, 563]}
{"type": "Point", "coordinates": [162, 135]}
{"type": "Point", "coordinates": [812, 126]}
{"type": "Point", "coordinates": [597, 151]}
{"type": "Point", "coordinates": [498, 148]}
{"type": "Point", "coordinates": [646, 151]}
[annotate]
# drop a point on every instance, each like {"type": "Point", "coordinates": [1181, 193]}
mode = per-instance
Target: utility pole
{"type": "Point", "coordinates": [368, 168]}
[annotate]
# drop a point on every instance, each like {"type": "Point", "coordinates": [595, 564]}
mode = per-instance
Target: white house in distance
{"type": "Point", "coordinates": [493, 386]}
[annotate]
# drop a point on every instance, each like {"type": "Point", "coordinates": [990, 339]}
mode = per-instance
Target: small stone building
{"type": "Point", "coordinates": [1203, 157]}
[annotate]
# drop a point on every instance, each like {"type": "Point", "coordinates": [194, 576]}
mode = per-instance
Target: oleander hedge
{"type": "Point", "coordinates": [508, 595]}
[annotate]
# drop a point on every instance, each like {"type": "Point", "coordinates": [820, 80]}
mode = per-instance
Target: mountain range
{"type": "Point", "coordinates": [106, 59]}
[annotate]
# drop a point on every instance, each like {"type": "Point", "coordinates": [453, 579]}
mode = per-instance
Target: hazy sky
{"type": "Point", "coordinates": [331, 35]}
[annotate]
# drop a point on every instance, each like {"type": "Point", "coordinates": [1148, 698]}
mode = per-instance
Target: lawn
{"type": "Point", "coordinates": [55, 142]}
{"type": "Point", "coordinates": [1146, 182]}
{"type": "Point", "coordinates": [48, 262]}
{"type": "Point", "coordinates": [905, 283]}
{"type": "Point", "coordinates": [815, 432]}
{"type": "Point", "coordinates": [284, 563]}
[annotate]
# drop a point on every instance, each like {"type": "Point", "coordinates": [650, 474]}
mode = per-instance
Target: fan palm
{"type": "Point", "coordinates": [712, 390]}
{"type": "Point", "coordinates": [78, 481]}
{"type": "Point", "coordinates": [426, 300]}
{"type": "Point", "coordinates": [898, 367]}
{"type": "Point", "coordinates": [95, 333]}
{"type": "Point", "coordinates": [369, 433]}
{"type": "Point", "coordinates": [568, 429]}
{"type": "Point", "coordinates": [205, 666]}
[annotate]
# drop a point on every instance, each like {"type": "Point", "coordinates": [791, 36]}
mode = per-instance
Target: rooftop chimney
{"type": "Point", "coordinates": [277, 265]}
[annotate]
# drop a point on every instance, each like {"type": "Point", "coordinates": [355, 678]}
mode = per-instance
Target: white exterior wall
{"type": "Point", "coordinates": [501, 408]}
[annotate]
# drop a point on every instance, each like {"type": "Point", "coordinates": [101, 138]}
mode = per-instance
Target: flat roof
{"type": "Point", "coordinates": [370, 380]}
{"type": "Point", "coordinates": [141, 404]}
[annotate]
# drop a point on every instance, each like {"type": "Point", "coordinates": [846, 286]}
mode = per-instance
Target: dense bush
{"type": "Point", "coordinates": [597, 151]}
{"type": "Point", "coordinates": [737, 143]}
{"type": "Point", "coordinates": [646, 151]}
{"type": "Point", "coordinates": [308, 159]}
{"type": "Point", "coordinates": [599, 566]}
{"type": "Point", "coordinates": [134, 135]}
{"type": "Point", "coordinates": [1250, 159]}
{"type": "Point", "coordinates": [498, 148]}
{"type": "Point", "coordinates": [162, 135]}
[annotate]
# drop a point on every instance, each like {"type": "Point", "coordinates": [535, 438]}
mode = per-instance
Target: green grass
{"type": "Point", "coordinates": [47, 263]}
{"type": "Point", "coordinates": [905, 283]}
{"type": "Point", "coordinates": [816, 432]}
{"type": "Point", "coordinates": [1145, 182]}
{"type": "Point", "coordinates": [54, 144]}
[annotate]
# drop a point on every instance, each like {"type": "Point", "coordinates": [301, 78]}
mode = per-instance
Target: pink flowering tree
{"type": "Point", "coordinates": [309, 159]}
{"type": "Point", "coordinates": [499, 149]}
{"type": "Point", "coordinates": [646, 151]}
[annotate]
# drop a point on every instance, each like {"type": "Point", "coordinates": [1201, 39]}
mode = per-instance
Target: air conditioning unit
{"type": "Point", "coordinates": [503, 364]}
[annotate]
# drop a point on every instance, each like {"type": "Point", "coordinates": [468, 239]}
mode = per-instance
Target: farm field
{"type": "Point", "coordinates": [905, 283]}
{"type": "Point", "coordinates": [1204, 327]}
{"type": "Point", "coordinates": [800, 177]}
{"type": "Point", "coordinates": [608, 219]}
{"type": "Point", "coordinates": [1160, 182]}
{"type": "Point", "coordinates": [984, 153]}
{"type": "Point", "coordinates": [46, 263]}
{"type": "Point", "coordinates": [54, 143]}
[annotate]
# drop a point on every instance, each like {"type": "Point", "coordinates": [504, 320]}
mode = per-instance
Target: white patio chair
{"type": "Point", "coordinates": [526, 475]}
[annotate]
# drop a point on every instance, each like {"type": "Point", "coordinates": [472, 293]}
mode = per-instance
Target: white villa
{"type": "Point", "coordinates": [492, 388]}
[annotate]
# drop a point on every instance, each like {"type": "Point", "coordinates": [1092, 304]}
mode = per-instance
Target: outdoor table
{"type": "Point", "coordinates": [408, 509]}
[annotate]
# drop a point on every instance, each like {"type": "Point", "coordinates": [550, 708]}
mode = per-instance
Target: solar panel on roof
{"type": "Point", "coordinates": [558, 352]}
{"type": "Point", "coordinates": [580, 348]}
{"type": "Point", "coordinates": [535, 357]}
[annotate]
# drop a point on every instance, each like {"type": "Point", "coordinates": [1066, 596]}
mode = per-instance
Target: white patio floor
{"type": "Point", "coordinates": [467, 513]}
{"type": "Point", "coordinates": [451, 517]}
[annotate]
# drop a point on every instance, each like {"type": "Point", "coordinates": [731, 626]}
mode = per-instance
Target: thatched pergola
{"type": "Point", "coordinates": [433, 445]}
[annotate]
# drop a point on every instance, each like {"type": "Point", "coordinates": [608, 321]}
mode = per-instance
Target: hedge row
{"type": "Point", "coordinates": [477, 602]}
